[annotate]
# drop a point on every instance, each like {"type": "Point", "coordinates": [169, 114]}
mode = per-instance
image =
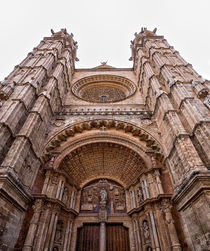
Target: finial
{"type": "Point", "coordinates": [104, 63]}
{"type": "Point", "coordinates": [154, 31]}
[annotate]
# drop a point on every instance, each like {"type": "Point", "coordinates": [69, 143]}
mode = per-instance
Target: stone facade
{"type": "Point", "coordinates": [105, 146]}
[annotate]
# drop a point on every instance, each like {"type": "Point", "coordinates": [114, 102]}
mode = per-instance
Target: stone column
{"type": "Point", "coordinates": [166, 207]}
{"type": "Point", "coordinates": [61, 191]}
{"type": "Point", "coordinates": [69, 244]}
{"type": "Point", "coordinates": [43, 227]}
{"type": "Point", "coordinates": [128, 200]}
{"type": "Point", "coordinates": [58, 189]}
{"type": "Point", "coordinates": [137, 233]}
{"type": "Point", "coordinates": [154, 231]}
{"type": "Point", "coordinates": [50, 230]}
{"type": "Point", "coordinates": [77, 203]}
{"type": "Point", "coordinates": [53, 232]}
{"type": "Point", "coordinates": [46, 182]}
{"type": "Point", "coordinates": [146, 188]}
{"type": "Point", "coordinates": [152, 185]}
{"type": "Point", "coordinates": [102, 236]}
{"type": "Point", "coordinates": [159, 183]}
{"type": "Point", "coordinates": [67, 235]}
{"type": "Point", "coordinates": [28, 245]}
{"type": "Point", "coordinates": [155, 239]}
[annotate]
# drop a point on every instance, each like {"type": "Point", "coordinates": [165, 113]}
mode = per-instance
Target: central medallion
{"type": "Point", "coordinates": [103, 88]}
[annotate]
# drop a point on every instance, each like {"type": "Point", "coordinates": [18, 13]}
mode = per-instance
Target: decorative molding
{"type": "Point", "coordinates": [70, 131]}
{"type": "Point", "coordinates": [115, 88]}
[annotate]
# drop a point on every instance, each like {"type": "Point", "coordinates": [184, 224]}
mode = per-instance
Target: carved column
{"type": "Point", "coordinates": [53, 232]}
{"type": "Point", "coordinates": [137, 234]}
{"type": "Point", "coordinates": [77, 203]}
{"type": "Point", "coordinates": [60, 188]}
{"type": "Point", "coordinates": [43, 226]}
{"type": "Point", "coordinates": [154, 230]}
{"type": "Point", "coordinates": [51, 227]}
{"type": "Point", "coordinates": [159, 183]}
{"type": "Point", "coordinates": [28, 245]}
{"type": "Point", "coordinates": [128, 200]}
{"type": "Point", "coordinates": [67, 239]}
{"type": "Point", "coordinates": [152, 185]}
{"type": "Point", "coordinates": [166, 207]}
{"type": "Point", "coordinates": [164, 238]}
{"type": "Point", "coordinates": [102, 236]}
{"type": "Point", "coordinates": [46, 182]}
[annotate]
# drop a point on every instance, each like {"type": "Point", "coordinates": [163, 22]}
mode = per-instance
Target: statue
{"type": "Point", "coordinates": [140, 195]}
{"type": "Point", "coordinates": [103, 195]}
{"type": "Point", "coordinates": [146, 231]}
{"type": "Point", "coordinates": [59, 230]}
{"type": "Point", "coordinates": [104, 63]}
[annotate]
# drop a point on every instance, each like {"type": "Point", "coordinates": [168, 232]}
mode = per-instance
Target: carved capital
{"type": "Point", "coordinates": [38, 205]}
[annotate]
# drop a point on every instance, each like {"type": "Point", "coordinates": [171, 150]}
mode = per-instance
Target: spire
{"type": "Point", "coordinates": [68, 38]}
{"type": "Point", "coordinates": [139, 39]}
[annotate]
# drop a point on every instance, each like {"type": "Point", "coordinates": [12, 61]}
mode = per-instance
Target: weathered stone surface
{"type": "Point", "coordinates": [104, 146]}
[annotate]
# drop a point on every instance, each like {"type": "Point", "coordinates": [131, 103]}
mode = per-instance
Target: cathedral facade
{"type": "Point", "coordinates": [105, 158]}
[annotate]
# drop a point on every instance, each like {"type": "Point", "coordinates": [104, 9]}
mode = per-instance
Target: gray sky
{"type": "Point", "coordinates": [104, 29]}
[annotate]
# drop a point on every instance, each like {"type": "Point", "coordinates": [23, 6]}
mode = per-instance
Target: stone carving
{"type": "Point", "coordinates": [207, 102]}
{"type": "Point", "coordinates": [103, 195]}
{"type": "Point", "coordinates": [103, 94]}
{"type": "Point", "coordinates": [103, 88]}
{"type": "Point", "coordinates": [146, 232]}
{"type": "Point", "coordinates": [140, 197]}
{"type": "Point", "coordinates": [105, 152]}
{"type": "Point", "coordinates": [65, 195]}
{"type": "Point", "coordinates": [59, 230]}
{"type": "Point", "coordinates": [18, 75]}
{"type": "Point", "coordinates": [55, 179]}
{"type": "Point", "coordinates": [104, 63]}
{"type": "Point", "coordinates": [69, 40]}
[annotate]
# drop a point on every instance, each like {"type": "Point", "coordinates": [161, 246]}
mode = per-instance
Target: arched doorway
{"type": "Point", "coordinates": [102, 187]}
{"type": "Point", "coordinates": [104, 173]}
{"type": "Point", "coordinates": [104, 202]}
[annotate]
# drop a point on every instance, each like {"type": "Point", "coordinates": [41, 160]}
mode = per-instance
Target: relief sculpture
{"type": "Point", "coordinates": [103, 192]}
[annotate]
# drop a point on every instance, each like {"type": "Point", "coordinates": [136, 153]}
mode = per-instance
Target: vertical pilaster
{"type": "Point", "coordinates": [28, 245]}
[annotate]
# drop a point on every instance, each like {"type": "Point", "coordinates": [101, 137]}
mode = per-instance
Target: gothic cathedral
{"type": "Point", "coordinates": [105, 158]}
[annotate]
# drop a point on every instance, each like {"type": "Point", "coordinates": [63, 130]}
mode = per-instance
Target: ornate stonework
{"type": "Point", "coordinates": [103, 88]}
{"type": "Point", "coordinates": [98, 159]}
{"type": "Point", "coordinates": [105, 158]}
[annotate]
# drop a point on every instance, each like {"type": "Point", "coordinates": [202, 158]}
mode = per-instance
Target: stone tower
{"type": "Point", "coordinates": [104, 159]}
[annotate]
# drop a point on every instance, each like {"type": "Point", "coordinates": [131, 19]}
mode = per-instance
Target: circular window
{"type": "Point", "coordinates": [103, 88]}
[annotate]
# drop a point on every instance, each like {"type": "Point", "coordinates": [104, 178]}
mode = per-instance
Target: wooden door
{"type": "Point", "coordinates": [88, 237]}
{"type": "Point", "coordinates": [117, 238]}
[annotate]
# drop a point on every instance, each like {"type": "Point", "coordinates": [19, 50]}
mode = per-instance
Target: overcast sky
{"type": "Point", "coordinates": [104, 29]}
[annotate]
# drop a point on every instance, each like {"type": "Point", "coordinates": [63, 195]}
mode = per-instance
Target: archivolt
{"type": "Point", "coordinates": [151, 143]}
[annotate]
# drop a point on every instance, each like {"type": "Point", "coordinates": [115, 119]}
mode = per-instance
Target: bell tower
{"type": "Point", "coordinates": [30, 96]}
{"type": "Point", "coordinates": [179, 100]}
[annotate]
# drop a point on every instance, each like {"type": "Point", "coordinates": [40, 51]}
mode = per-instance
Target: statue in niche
{"type": "Point", "coordinates": [65, 195]}
{"type": "Point", "coordinates": [58, 233]}
{"type": "Point", "coordinates": [55, 179]}
{"type": "Point", "coordinates": [140, 197]}
{"type": "Point", "coordinates": [146, 231]}
{"type": "Point", "coordinates": [88, 201]}
{"type": "Point", "coordinates": [103, 195]}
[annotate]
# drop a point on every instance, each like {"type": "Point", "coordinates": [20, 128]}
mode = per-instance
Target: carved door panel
{"type": "Point", "coordinates": [88, 237]}
{"type": "Point", "coordinates": [117, 238]}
